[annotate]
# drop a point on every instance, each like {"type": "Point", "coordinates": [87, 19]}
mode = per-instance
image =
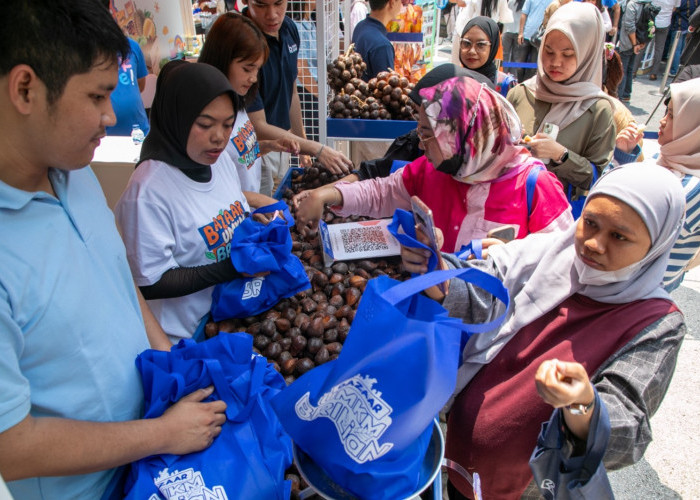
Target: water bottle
{"type": "Point", "coordinates": [137, 134]}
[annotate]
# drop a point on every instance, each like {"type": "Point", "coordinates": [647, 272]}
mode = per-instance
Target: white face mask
{"type": "Point", "coordinates": [590, 276]}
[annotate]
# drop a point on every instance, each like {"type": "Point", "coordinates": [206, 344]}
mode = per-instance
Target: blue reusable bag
{"type": "Point", "coordinates": [561, 476]}
{"type": "Point", "coordinates": [258, 248]}
{"type": "Point", "coordinates": [366, 418]}
{"type": "Point", "coordinates": [248, 459]}
{"type": "Point", "coordinates": [578, 203]}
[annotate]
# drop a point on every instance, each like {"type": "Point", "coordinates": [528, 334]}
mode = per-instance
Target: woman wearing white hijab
{"type": "Point", "coordinates": [567, 92]}
{"type": "Point", "coordinates": [588, 321]}
{"type": "Point", "coordinates": [679, 138]}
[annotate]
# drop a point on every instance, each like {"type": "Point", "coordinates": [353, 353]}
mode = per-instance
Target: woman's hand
{"type": "Point", "coordinates": [334, 161]}
{"type": "Point", "coordinates": [561, 384]}
{"type": "Point", "coordinates": [543, 146]}
{"type": "Point", "coordinates": [629, 137]}
{"type": "Point", "coordinates": [309, 207]}
{"type": "Point", "coordinates": [415, 260]}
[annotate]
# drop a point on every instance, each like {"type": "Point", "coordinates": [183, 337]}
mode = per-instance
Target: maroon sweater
{"type": "Point", "coordinates": [494, 422]}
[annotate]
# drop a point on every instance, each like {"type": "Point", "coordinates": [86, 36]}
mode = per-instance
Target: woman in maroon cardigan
{"type": "Point", "coordinates": [589, 325]}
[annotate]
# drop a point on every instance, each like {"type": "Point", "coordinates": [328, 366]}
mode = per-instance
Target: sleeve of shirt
{"type": "Point", "coordinates": [139, 60]}
{"type": "Point", "coordinates": [256, 105]}
{"type": "Point", "coordinates": [146, 229]}
{"type": "Point", "coordinates": [527, 7]}
{"type": "Point", "coordinates": [632, 385]}
{"type": "Point", "coordinates": [15, 401]}
{"type": "Point", "coordinates": [374, 197]}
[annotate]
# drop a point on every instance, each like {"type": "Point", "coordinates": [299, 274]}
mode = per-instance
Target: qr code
{"type": "Point", "coordinates": [365, 239]}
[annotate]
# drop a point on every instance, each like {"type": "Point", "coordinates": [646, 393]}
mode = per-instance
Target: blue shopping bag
{"type": "Point", "coordinates": [258, 248]}
{"type": "Point", "coordinates": [249, 457]}
{"type": "Point", "coordinates": [366, 418]}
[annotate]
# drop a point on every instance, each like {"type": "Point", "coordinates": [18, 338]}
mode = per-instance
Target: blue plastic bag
{"type": "Point", "coordinates": [366, 418]}
{"type": "Point", "coordinates": [248, 459]}
{"type": "Point", "coordinates": [258, 248]}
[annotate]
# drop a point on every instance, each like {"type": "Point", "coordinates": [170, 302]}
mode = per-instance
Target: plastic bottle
{"type": "Point", "coordinates": [137, 134]}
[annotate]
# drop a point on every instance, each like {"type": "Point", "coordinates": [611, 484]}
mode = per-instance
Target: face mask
{"type": "Point", "coordinates": [590, 276]}
{"type": "Point", "coordinates": [451, 166]}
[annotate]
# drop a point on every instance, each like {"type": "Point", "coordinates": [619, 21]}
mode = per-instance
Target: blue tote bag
{"type": "Point", "coordinates": [366, 418]}
{"type": "Point", "coordinates": [258, 248]}
{"type": "Point", "coordinates": [249, 457]}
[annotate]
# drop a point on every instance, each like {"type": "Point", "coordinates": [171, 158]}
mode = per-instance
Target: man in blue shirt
{"type": "Point", "coordinates": [530, 21]}
{"type": "Point", "coordinates": [371, 42]}
{"type": "Point", "coordinates": [71, 319]}
{"type": "Point", "coordinates": [126, 98]}
{"type": "Point", "coordinates": [276, 111]}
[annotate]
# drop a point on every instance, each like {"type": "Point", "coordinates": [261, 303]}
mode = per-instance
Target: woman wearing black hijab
{"type": "Point", "coordinates": [184, 201]}
{"type": "Point", "coordinates": [479, 45]}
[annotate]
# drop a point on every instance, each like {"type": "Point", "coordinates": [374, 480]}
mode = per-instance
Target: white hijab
{"type": "Point", "coordinates": [682, 153]}
{"type": "Point", "coordinates": [583, 26]}
{"type": "Point", "coordinates": [540, 272]}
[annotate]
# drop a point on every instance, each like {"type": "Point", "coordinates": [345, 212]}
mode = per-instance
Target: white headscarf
{"type": "Point", "coordinates": [682, 153]}
{"type": "Point", "coordinates": [583, 26]}
{"type": "Point", "coordinates": [540, 272]}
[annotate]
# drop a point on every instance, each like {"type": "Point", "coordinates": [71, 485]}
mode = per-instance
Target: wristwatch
{"type": "Point", "coordinates": [564, 156]}
{"type": "Point", "coordinates": [579, 408]}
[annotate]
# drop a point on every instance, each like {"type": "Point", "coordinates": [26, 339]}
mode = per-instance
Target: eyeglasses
{"type": "Point", "coordinates": [424, 138]}
{"type": "Point", "coordinates": [480, 46]}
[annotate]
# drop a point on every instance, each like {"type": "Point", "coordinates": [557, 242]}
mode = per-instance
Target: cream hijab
{"type": "Point", "coordinates": [682, 153]}
{"type": "Point", "coordinates": [540, 273]}
{"type": "Point", "coordinates": [583, 26]}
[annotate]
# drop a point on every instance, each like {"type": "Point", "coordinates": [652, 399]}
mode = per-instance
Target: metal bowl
{"type": "Point", "coordinates": [321, 484]}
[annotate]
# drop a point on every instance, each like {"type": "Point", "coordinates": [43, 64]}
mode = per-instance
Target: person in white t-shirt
{"type": "Point", "coordinates": [238, 49]}
{"type": "Point", "coordinates": [184, 201]}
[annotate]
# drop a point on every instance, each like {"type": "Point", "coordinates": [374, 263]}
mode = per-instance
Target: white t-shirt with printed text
{"type": "Point", "coordinates": [244, 150]}
{"type": "Point", "coordinates": [167, 220]}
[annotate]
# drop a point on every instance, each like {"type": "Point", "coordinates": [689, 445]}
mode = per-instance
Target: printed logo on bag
{"type": "Point", "coordinates": [186, 485]}
{"type": "Point", "coordinates": [252, 288]}
{"type": "Point", "coordinates": [218, 233]}
{"type": "Point", "coordinates": [359, 413]}
{"type": "Point", "coordinates": [548, 484]}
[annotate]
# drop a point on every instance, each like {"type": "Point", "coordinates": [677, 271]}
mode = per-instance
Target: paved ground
{"type": "Point", "coordinates": [669, 467]}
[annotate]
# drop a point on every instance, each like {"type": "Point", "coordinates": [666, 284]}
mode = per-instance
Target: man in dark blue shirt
{"type": "Point", "coordinates": [276, 111]}
{"type": "Point", "coordinates": [370, 37]}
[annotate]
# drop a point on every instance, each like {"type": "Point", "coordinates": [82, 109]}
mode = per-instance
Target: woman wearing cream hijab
{"type": "Point", "coordinates": [566, 92]}
{"type": "Point", "coordinates": [679, 138]}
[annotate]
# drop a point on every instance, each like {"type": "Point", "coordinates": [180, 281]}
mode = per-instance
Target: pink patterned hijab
{"type": "Point", "coordinates": [475, 124]}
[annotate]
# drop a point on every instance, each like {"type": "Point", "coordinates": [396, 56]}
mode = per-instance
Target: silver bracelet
{"type": "Point", "coordinates": [320, 150]}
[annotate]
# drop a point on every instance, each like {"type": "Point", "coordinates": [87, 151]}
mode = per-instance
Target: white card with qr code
{"type": "Point", "coordinates": [358, 240]}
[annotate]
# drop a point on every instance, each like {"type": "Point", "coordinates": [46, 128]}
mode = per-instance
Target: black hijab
{"type": "Point", "coordinates": [490, 28]}
{"type": "Point", "coordinates": [183, 90]}
{"type": "Point", "coordinates": [444, 72]}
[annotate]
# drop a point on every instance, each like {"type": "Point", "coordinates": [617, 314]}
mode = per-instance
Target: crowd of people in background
{"type": "Point", "coordinates": [600, 240]}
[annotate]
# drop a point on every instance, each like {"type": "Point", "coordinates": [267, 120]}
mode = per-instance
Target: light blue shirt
{"type": "Point", "coordinates": [534, 9]}
{"type": "Point", "coordinates": [70, 321]}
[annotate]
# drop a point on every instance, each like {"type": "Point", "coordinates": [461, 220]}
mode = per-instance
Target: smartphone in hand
{"type": "Point", "coordinates": [504, 233]}
{"type": "Point", "coordinates": [423, 217]}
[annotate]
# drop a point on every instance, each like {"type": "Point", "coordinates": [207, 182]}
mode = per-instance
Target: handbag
{"type": "Point", "coordinates": [248, 459]}
{"type": "Point", "coordinates": [258, 248]}
{"type": "Point", "coordinates": [366, 418]}
{"type": "Point", "coordinates": [560, 476]}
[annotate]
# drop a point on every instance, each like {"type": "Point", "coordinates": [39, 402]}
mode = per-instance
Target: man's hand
{"type": "Point", "coordinates": [193, 424]}
{"type": "Point", "coordinates": [521, 39]}
{"type": "Point", "coordinates": [612, 32]}
{"type": "Point", "coordinates": [638, 47]}
{"type": "Point", "coordinates": [284, 144]}
{"type": "Point", "coordinates": [334, 161]}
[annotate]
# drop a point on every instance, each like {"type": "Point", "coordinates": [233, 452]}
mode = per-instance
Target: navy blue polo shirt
{"type": "Point", "coordinates": [375, 48]}
{"type": "Point", "coordinates": [278, 76]}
